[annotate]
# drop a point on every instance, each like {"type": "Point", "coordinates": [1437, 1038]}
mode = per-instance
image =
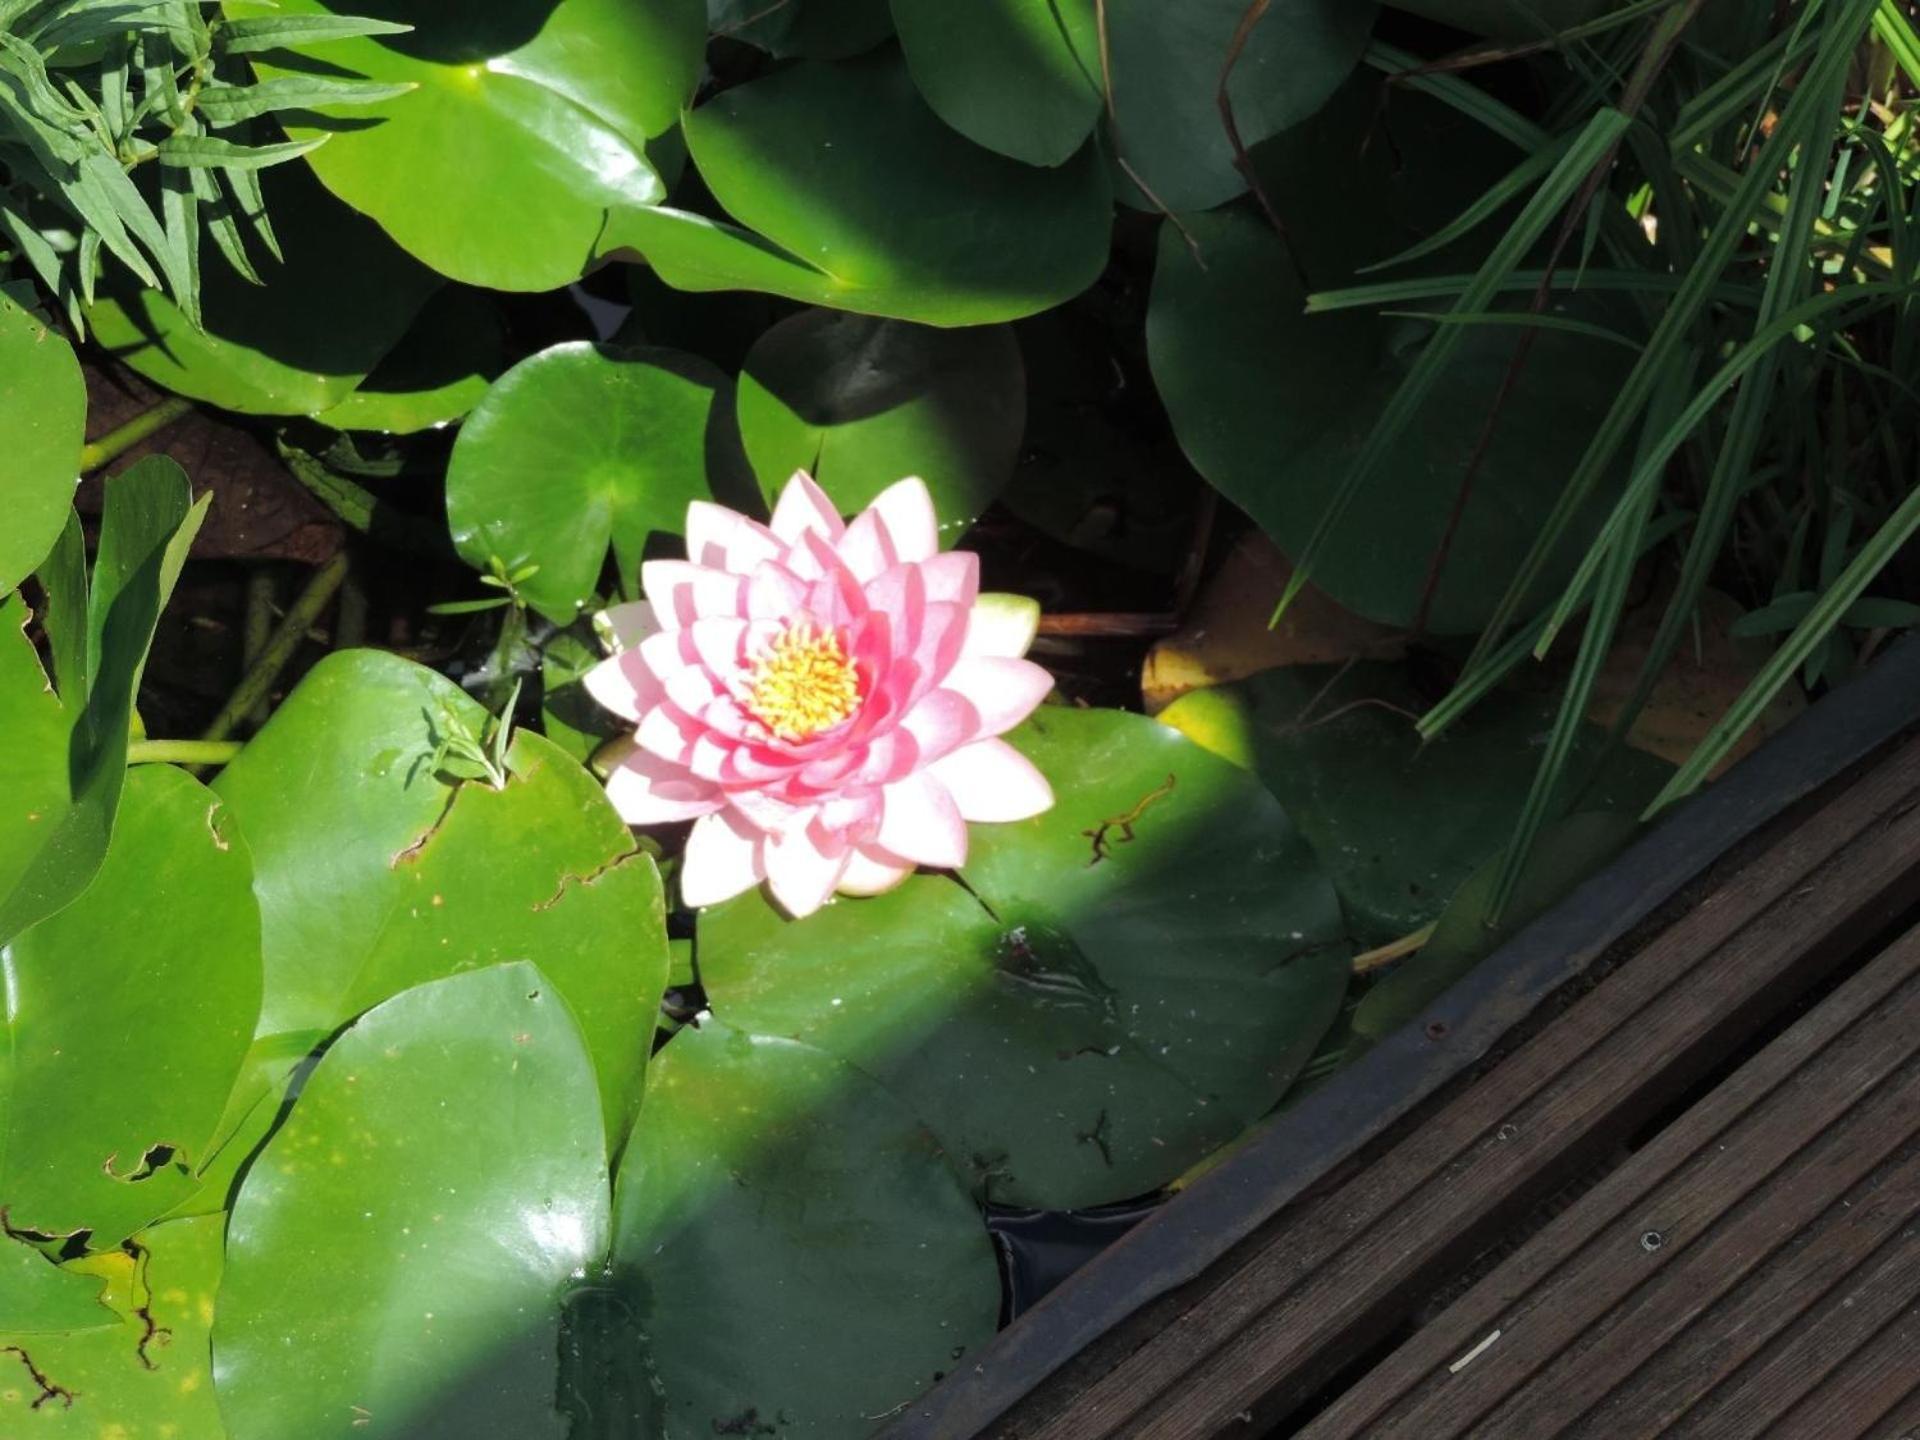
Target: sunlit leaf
{"type": "Point", "coordinates": [410, 1232]}
{"type": "Point", "coordinates": [43, 414]}
{"type": "Point", "coordinates": [123, 1035]}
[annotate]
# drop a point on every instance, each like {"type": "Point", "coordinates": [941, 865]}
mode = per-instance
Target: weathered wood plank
{"type": "Point", "coordinates": [1328, 1280]}
{"type": "Point", "coordinates": [1750, 1136]}
{"type": "Point", "coordinates": [1877, 1377]}
{"type": "Point", "coordinates": [1811, 1360]}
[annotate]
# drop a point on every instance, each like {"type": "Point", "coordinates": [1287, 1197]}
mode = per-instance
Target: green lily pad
{"type": "Point", "coordinates": [1273, 404]}
{"type": "Point", "coordinates": [1566, 852]}
{"type": "Point", "coordinates": [1024, 77]}
{"type": "Point", "coordinates": [807, 29]}
{"type": "Point", "coordinates": [581, 447]}
{"type": "Point", "coordinates": [72, 760]}
{"type": "Point", "coordinates": [859, 403]}
{"type": "Point", "coordinates": [529, 124]}
{"type": "Point", "coordinates": [142, 1370]}
{"type": "Point", "coordinates": [38, 1297]}
{"type": "Point", "coordinates": [43, 414]}
{"type": "Point", "coordinates": [1400, 826]}
{"type": "Point", "coordinates": [862, 200]}
{"type": "Point", "coordinates": [376, 872]}
{"type": "Point", "coordinates": [1136, 975]}
{"type": "Point", "coordinates": [124, 1035]}
{"type": "Point", "coordinates": [1508, 19]}
{"type": "Point", "coordinates": [297, 344]}
{"type": "Point", "coordinates": [794, 1241]}
{"type": "Point", "coordinates": [435, 375]}
{"type": "Point", "coordinates": [409, 1234]}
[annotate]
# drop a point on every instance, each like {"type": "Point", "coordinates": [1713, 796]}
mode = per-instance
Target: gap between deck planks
{"type": "Point", "coordinates": [1335, 1273]}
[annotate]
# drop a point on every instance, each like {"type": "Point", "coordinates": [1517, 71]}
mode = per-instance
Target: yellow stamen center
{"type": "Point", "coordinates": [803, 683]}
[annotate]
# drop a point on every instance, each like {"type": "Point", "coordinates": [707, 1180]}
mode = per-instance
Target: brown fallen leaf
{"type": "Point", "coordinates": [1226, 637]}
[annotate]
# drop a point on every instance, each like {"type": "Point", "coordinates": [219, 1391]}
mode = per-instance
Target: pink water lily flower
{"type": "Point", "coordinates": [822, 699]}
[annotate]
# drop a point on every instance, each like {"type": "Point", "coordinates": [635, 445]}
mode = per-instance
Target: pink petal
{"type": "Point", "coordinates": [724, 645]}
{"type": "Point", "coordinates": [722, 860]}
{"type": "Point", "coordinates": [691, 689]}
{"type": "Point", "coordinates": [953, 575]}
{"type": "Point", "coordinates": [1002, 624]}
{"type": "Point", "coordinates": [1004, 691]}
{"type": "Point", "coordinates": [805, 509]}
{"type": "Point", "coordinates": [683, 592]}
{"type": "Point", "coordinates": [992, 781]}
{"type": "Point", "coordinates": [774, 592]}
{"type": "Point", "coordinates": [920, 822]}
{"type": "Point", "coordinates": [871, 871]}
{"type": "Point", "coordinates": [906, 509]}
{"type": "Point", "coordinates": [625, 685]}
{"type": "Point", "coordinates": [646, 790]}
{"type": "Point", "coordinates": [865, 549]}
{"type": "Point", "coordinates": [724, 539]}
{"type": "Point", "coordinates": [938, 724]}
{"type": "Point", "coordinates": [622, 627]}
{"type": "Point", "coordinates": [767, 812]}
{"type": "Point", "coordinates": [803, 868]}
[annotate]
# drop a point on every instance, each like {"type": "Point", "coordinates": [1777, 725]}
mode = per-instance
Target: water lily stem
{"type": "Point", "coordinates": [182, 752]}
{"type": "Point", "coordinates": [1370, 960]}
{"type": "Point", "coordinates": [259, 681]}
{"type": "Point", "coordinates": [115, 443]}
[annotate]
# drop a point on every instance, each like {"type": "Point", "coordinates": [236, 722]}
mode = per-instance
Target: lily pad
{"type": "Point", "coordinates": [855, 196]}
{"type": "Point", "coordinates": [297, 344]}
{"type": "Point", "coordinates": [1508, 19]}
{"type": "Point", "coordinates": [1565, 853]}
{"type": "Point", "coordinates": [529, 123]}
{"type": "Point", "coordinates": [38, 1297]}
{"type": "Point", "coordinates": [376, 872]}
{"type": "Point", "coordinates": [54, 828]}
{"type": "Point", "coordinates": [581, 447]}
{"type": "Point", "coordinates": [807, 29]}
{"type": "Point", "coordinates": [1400, 826]}
{"type": "Point", "coordinates": [43, 414]}
{"type": "Point", "coordinates": [123, 1036]}
{"type": "Point", "coordinates": [409, 1234]}
{"type": "Point", "coordinates": [859, 402]}
{"type": "Point", "coordinates": [140, 1370]}
{"type": "Point", "coordinates": [1134, 977]}
{"type": "Point", "coordinates": [794, 1242]}
{"type": "Point", "coordinates": [1025, 78]}
{"type": "Point", "coordinates": [1272, 404]}
{"type": "Point", "coordinates": [435, 375]}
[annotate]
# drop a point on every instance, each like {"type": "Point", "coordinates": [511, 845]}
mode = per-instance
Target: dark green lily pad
{"type": "Point", "coordinates": [859, 403]}
{"type": "Point", "coordinates": [1399, 826]}
{"type": "Point", "coordinates": [1024, 77]}
{"type": "Point", "coordinates": [1272, 404]}
{"type": "Point", "coordinates": [43, 414]}
{"type": "Point", "coordinates": [1137, 974]}
{"type": "Point", "coordinates": [123, 1035]}
{"type": "Point", "coordinates": [528, 126]}
{"type": "Point", "coordinates": [1565, 853]}
{"type": "Point", "coordinates": [793, 1241]}
{"type": "Point", "coordinates": [581, 447]}
{"type": "Point", "coordinates": [435, 375]}
{"type": "Point", "coordinates": [375, 872]}
{"type": "Point", "coordinates": [807, 29]}
{"type": "Point", "coordinates": [410, 1232]}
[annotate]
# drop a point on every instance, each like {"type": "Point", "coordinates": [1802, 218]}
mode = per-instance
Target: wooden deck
{"type": "Point", "coordinates": [1683, 1201]}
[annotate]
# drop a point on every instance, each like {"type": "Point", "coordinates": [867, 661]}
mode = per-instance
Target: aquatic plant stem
{"type": "Point", "coordinates": [259, 681]}
{"type": "Point", "coordinates": [115, 443]}
{"type": "Point", "coordinates": [182, 752]}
